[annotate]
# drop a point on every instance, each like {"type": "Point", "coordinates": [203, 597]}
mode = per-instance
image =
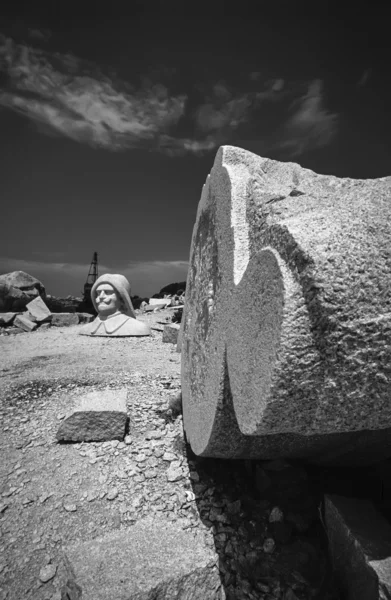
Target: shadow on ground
{"type": "Point", "coordinates": [266, 527]}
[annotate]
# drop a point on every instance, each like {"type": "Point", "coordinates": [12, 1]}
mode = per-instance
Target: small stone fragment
{"type": "Point", "coordinates": [47, 573]}
{"type": "Point", "coordinates": [276, 515]}
{"type": "Point", "coordinates": [70, 507]}
{"type": "Point", "coordinates": [269, 546]}
{"type": "Point", "coordinates": [112, 493]}
{"type": "Point", "coordinates": [174, 474]}
{"type": "Point", "coordinates": [170, 333]}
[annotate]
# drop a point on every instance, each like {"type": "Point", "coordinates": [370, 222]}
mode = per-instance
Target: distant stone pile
{"type": "Point", "coordinates": [24, 306]}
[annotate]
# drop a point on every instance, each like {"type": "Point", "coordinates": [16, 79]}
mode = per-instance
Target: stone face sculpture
{"type": "Point", "coordinates": [286, 330]}
{"type": "Point", "coordinates": [110, 296]}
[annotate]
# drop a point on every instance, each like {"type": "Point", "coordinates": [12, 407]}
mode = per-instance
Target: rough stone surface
{"type": "Point", "coordinates": [65, 319]}
{"type": "Point", "coordinates": [155, 558]}
{"type": "Point", "coordinates": [360, 548]}
{"type": "Point", "coordinates": [286, 345]}
{"type": "Point", "coordinates": [7, 318]}
{"type": "Point", "coordinates": [38, 310]}
{"type": "Point", "coordinates": [97, 416]}
{"type": "Point", "coordinates": [170, 333]}
{"type": "Point", "coordinates": [25, 323]}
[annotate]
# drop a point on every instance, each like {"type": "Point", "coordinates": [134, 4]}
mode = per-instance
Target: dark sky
{"type": "Point", "coordinates": [110, 121]}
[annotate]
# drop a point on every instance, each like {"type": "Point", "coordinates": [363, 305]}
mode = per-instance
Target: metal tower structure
{"type": "Point", "coordinates": [91, 277]}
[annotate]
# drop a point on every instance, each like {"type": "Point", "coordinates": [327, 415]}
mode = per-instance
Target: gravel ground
{"type": "Point", "coordinates": [263, 516]}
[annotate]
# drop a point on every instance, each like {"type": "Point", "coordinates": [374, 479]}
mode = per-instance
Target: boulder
{"type": "Point", "coordinates": [155, 558]}
{"type": "Point", "coordinates": [360, 548]}
{"type": "Point", "coordinates": [170, 333]}
{"type": "Point", "coordinates": [7, 318]}
{"type": "Point", "coordinates": [24, 322]}
{"type": "Point", "coordinates": [12, 298]}
{"type": "Point", "coordinates": [38, 310]}
{"type": "Point", "coordinates": [64, 319]}
{"type": "Point", "coordinates": [24, 282]}
{"type": "Point", "coordinates": [286, 348]}
{"type": "Point", "coordinates": [96, 417]}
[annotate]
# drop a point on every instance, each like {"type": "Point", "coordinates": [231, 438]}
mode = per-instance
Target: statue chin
{"type": "Point", "coordinates": [118, 325]}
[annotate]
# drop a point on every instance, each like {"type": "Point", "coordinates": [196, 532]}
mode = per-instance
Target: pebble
{"type": "Point", "coordinates": [70, 507]}
{"type": "Point", "coordinates": [276, 515]}
{"type": "Point", "coordinates": [269, 546]}
{"type": "Point", "coordinates": [47, 573]}
{"type": "Point", "coordinates": [112, 493]}
{"type": "Point", "coordinates": [174, 474]}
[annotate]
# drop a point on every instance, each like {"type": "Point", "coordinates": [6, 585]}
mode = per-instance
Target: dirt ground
{"type": "Point", "coordinates": [268, 538]}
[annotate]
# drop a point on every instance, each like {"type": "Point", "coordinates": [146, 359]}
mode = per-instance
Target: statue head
{"type": "Point", "coordinates": [110, 294]}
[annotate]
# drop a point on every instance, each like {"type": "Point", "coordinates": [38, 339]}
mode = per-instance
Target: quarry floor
{"type": "Point", "coordinates": [261, 519]}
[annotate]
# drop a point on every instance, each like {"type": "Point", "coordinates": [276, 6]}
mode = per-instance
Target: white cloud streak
{"type": "Point", "coordinates": [311, 126]}
{"type": "Point", "coordinates": [66, 96]}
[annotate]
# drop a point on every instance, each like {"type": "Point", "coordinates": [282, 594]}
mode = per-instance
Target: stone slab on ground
{"type": "Point", "coordinates": [170, 333]}
{"type": "Point", "coordinates": [65, 319]}
{"type": "Point", "coordinates": [152, 559]}
{"type": "Point", "coordinates": [38, 310]}
{"type": "Point", "coordinates": [23, 322]}
{"type": "Point", "coordinates": [98, 416]}
{"type": "Point", "coordinates": [7, 318]}
{"type": "Point", "coordinates": [360, 548]}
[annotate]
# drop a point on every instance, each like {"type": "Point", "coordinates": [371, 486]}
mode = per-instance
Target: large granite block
{"type": "Point", "coordinates": [286, 347]}
{"type": "Point", "coordinates": [96, 417]}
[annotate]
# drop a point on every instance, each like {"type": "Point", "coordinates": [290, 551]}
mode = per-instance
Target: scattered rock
{"type": "Point", "coordinates": [269, 546]}
{"type": "Point", "coordinates": [70, 507]}
{"type": "Point", "coordinates": [38, 311]}
{"type": "Point", "coordinates": [25, 323]}
{"type": "Point", "coordinates": [112, 493]}
{"type": "Point", "coordinates": [85, 317]}
{"type": "Point", "coordinates": [64, 319]}
{"type": "Point", "coordinates": [170, 333]}
{"type": "Point", "coordinates": [47, 573]}
{"type": "Point", "coordinates": [7, 318]}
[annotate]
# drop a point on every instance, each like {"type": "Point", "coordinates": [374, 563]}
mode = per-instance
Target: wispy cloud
{"type": "Point", "coordinates": [66, 96]}
{"type": "Point", "coordinates": [75, 99]}
{"type": "Point", "coordinates": [364, 78]}
{"type": "Point", "coordinates": [311, 126]}
{"type": "Point", "coordinates": [146, 277]}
